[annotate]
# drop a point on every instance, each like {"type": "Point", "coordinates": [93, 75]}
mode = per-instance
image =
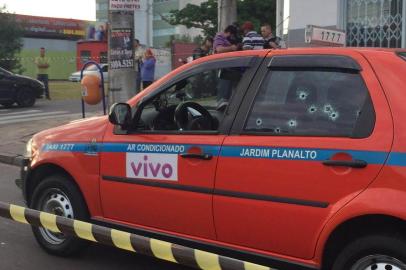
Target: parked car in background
{"type": "Point", "coordinates": [90, 70]}
{"type": "Point", "coordinates": [19, 89]}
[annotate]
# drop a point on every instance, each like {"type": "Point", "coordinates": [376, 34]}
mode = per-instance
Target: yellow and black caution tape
{"type": "Point", "coordinates": [163, 250]}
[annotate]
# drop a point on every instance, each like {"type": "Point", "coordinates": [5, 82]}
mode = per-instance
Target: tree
{"type": "Point", "coordinates": [204, 16]}
{"type": "Point", "coordinates": [257, 11]}
{"type": "Point", "coordinates": [10, 41]}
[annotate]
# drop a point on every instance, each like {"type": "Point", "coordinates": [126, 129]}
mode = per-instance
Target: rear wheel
{"type": "Point", "coordinates": [25, 98]}
{"type": "Point", "coordinates": [58, 195]}
{"type": "Point", "coordinates": [375, 252]}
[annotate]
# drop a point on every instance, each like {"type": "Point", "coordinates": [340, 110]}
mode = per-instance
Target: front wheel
{"type": "Point", "coordinates": [58, 195]}
{"type": "Point", "coordinates": [25, 98]}
{"type": "Point", "coordinates": [375, 252]}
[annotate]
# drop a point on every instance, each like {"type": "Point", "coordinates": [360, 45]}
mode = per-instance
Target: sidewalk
{"type": "Point", "coordinates": [15, 136]}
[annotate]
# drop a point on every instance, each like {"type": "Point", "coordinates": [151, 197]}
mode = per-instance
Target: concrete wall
{"type": "Point", "coordinates": [143, 22]}
{"type": "Point", "coordinates": [316, 12]}
{"type": "Point", "coordinates": [324, 13]}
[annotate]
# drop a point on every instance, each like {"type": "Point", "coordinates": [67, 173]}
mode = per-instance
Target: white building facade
{"type": "Point", "coordinates": [367, 23]}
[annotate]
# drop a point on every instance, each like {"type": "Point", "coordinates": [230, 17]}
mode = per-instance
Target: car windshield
{"type": "Point", "coordinates": [3, 71]}
{"type": "Point", "coordinates": [402, 55]}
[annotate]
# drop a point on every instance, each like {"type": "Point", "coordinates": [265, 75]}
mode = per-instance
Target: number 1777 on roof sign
{"type": "Point", "coordinates": [325, 36]}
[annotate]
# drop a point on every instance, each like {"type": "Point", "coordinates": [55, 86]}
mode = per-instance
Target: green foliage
{"type": "Point", "coordinates": [10, 41]}
{"type": "Point", "coordinates": [204, 16]}
{"type": "Point", "coordinates": [257, 11]}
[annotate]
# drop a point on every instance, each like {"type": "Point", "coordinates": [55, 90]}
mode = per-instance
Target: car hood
{"type": "Point", "coordinates": [26, 78]}
{"type": "Point", "coordinates": [75, 74]}
{"type": "Point", "coordinates": [84, 130]}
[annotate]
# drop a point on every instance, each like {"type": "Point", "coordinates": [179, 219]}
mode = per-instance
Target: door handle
{"type": "Point", "coordinates": [358, 164]}
{"type": "Point", "coordinates": [203, 156]}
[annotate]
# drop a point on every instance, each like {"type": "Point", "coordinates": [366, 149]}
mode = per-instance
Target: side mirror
{"type": "Point", "coordinates": [120, 114]}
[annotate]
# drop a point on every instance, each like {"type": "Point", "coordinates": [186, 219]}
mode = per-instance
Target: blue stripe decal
{"type": "Point", "coordinates": [128, 148]}
{"type": "Point", "coordinates": [157, 148]}
{"type": "Point", "coordinates": [309, 154]}
{"type": "Point", "coordinates": [66, 147]}
{"type": "Point", "coordinates": [305, 154]}
{"type": "Point", "coordinates": [397, 159]}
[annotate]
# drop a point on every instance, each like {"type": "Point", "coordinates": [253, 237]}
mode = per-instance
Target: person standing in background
{"type": "Point", "coordinates": [271, 41]}
{"type": "Point", "coordinates": [138, 55]}
{"type": "Point", "coordinates": [42, 64]}
{"type": "Point", "coordinates": [204, 49]}
{"type": "Point", "coordinates": [100, 33]}
{"type": "Point", "coordinates": [148, 69]}
{"type": "Point", "coordinates": [252, 40]}
{"type": "Point", "coordinates": [221, 42]}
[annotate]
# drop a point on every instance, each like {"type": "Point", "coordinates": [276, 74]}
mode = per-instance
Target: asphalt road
{"type": "Point", "coordinates": [71, 106]}
{"type": "Point", "coordinates": [18, 249]}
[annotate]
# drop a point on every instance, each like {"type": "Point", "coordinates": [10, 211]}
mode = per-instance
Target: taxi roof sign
{"type": "Point", "coordinates": [324, 36]}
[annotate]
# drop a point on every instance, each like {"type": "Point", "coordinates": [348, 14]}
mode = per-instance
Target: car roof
{"type": "Point", "coordinates": [308, 50]}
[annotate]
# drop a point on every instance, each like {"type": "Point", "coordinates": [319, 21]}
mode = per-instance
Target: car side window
{"type": "Point", "coordinates": [195, 103]}
{"type": "Point", "coordinates": [312, 103]}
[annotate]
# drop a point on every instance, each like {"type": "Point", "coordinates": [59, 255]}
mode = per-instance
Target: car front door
{"type": "Point", "coordinates": [161, 175]}
{"type": "Point", "coordinates": [313, 132]}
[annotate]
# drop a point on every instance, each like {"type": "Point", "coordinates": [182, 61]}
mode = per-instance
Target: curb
{"type": "Point", "coordinates": [11, 160]}
{"type": "Point", "coordinates": [163, 250]}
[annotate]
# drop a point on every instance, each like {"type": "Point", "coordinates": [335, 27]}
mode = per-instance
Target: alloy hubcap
{"type": "Point", "coordinates": [57, 203]}
{"type": "Point", "coordinates": [378, 262]}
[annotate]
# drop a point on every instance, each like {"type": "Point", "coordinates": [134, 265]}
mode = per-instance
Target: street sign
{"type": "Point", "coordinates": [124, 5]}
{"type": "Point", "coordinates": [325, 36]}
{"type": "Point", "coordinates": [121, 48]}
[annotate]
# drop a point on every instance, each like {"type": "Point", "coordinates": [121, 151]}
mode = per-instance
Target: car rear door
{"type": "Point", "coordinates": [313, 132]}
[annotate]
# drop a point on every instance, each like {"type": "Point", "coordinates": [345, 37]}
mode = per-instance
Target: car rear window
{"type": "Point", "coordinates": [402, 55]}
{"type": "Point", "coordinates": [307, 102]}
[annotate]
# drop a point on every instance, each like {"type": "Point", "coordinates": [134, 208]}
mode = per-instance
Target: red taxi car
{"type": "Point", "coordinates": [293, 159]}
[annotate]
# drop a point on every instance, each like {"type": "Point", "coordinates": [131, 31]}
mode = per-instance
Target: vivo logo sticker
{"type": "Point", "coordinates": [152, 166]}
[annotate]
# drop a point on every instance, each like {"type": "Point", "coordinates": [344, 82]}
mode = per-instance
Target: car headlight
{"type": "Point", "coordinates": [28, 149]}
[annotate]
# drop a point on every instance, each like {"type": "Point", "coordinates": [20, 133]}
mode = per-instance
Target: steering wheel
{"type": "Point", "coordinates": [186, 117]}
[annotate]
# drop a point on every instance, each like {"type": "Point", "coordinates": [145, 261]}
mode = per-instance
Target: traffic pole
{"type": "Point", "coordinates": [122, 73]}
{"type": "Point", "coordinates": [227, 13]}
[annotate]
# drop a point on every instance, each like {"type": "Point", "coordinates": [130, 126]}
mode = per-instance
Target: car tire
{"type": "Point", "coordinates": [25, 98]}
{"type": "Point", "coordinates": [373, 252]}
{"type": "Point", "coordinates": [7, 104]}
{"type": "Point", "coordinates": [57, 194]}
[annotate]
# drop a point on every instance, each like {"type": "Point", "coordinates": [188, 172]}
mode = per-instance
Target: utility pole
{"type": "Point", "coordinates": [227, 13]}
{"type": "Point", "coordinates": [122, 74]}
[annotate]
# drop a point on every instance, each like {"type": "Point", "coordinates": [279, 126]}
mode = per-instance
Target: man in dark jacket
{"type": "Point", "coordinates": [271, 41]}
